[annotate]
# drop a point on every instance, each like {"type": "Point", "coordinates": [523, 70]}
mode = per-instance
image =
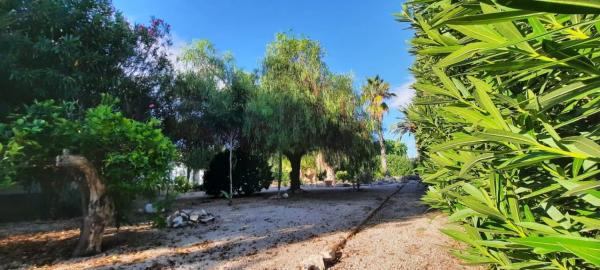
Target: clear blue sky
{"type": "Point", "coordinates": [359, 37]}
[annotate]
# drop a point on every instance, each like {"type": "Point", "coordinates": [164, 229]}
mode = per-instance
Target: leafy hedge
{"type": "Point", "coordinates": [251, 173]}
{"type": "Point", "coordinates": [507, 127]}
{"type": "Point", "coordinates": [399, 165]}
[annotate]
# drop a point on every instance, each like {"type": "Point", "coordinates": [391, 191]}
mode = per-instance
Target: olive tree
{"type": "Point", "coordinates": [115, 158]}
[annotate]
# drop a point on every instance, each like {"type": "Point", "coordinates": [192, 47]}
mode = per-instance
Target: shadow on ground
{"type": "Point", "coordinates": [255, 233]}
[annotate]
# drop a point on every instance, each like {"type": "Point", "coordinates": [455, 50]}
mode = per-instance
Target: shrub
{"type": "Point", "coordinates": [399, 165]}
{"type": "Point", "coordinates": [251, 173]}
{"type": "Point", "coordinates": [182, 185]}
{"type": "Point", "coordinates": [127, 158]}
{"type": "Point", "coordinates": [342, 175]}
{"type": "Point", "coordinates": [507, 127]}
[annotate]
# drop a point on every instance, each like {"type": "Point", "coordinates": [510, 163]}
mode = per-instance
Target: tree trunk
{"type": "Point", "coordinates": [384, 167]}
{"type": "Point", "coordinates": [295, 160]}
{"type": "Point", "coordinates": [100, 208]}
{"type": "Point", "coordinates": [329, 171]}
{"type": "Point", "coordinates": [230, 176]}
{"type": "Point", "coordinates": [280, 173]}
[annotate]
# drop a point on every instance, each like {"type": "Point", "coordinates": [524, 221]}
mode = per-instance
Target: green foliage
{"type": "Point", "coordinates": [342, 175]}
{"type": "Point", "coordinates": [76, 50]}
{"type": "Point", "coordinates": [301, 106]}
{"type": "Point", "coordinates": [399, 165]}
{"type": "Point", "coordinates": [251, 173]}
{"type": "Point", "coordinates": [182, 185]}
{"type": "Point", "coordinates": [506, 122]}
{"type": "Point", "coordinates": [395, 148]}
{"type": "Point", "coordinates": [208, 103]}
{"type": "Point", "coordinates": [163, 208]}
{"type": "Point", "coordinates": [133, 158]}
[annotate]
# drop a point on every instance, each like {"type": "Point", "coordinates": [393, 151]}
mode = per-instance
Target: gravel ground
{"type": "Point", "coordinates": [255, 233]}
{"type": "Point", "coordinates": [401, 236]}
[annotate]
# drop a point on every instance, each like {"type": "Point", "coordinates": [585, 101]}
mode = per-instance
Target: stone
{"type": "Point", "coordinates": [313, 262]}
{"type": "Point", "coordinates": [285, 195]}
{"type": "Point", "coordinates": [207, 219]}
{"type": "Point", "coordinates": [149, 208]}
{"type": "Point", "coordinates": [177, 222]}
{"type": "Point", "coordinates": [194, 217]}
{"type": "Point", "coordinates": [327, 256]}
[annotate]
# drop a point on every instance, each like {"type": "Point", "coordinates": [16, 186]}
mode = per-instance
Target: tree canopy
{"type": "Point", "coordinates": [301, 106]}
{"type": "Point", "coordinates": [77, 50]}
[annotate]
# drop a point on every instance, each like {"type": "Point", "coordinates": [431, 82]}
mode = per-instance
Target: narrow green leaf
{"type": "Point", "coordinates": [456, 143]}
{"type": "Point", "coordinates": [591, 255]}
{"type": "Point", "coordinates": [537, 227]}
{"type": "Point", "coordinates": [481, 94]}
{"type": "Point", "coordinates": [583, 145]}
{"type": "Point", "coordinates": [566, 93]}
{"type": "Point", "coordinates": [489, 18]}
{"type": "Point", "coordinates": [544, 190]}
{"type": "Point", "coordinates": [582, 188]}
{"type": "Point", "coordinates": [463, 53]}
{"type": "Point", "coordinates": [505, 136]}
{"type": "Point", "coordinates": [480, 32]}
{"type": "Point", "coordinates": [590, 223]}
{"type": "Point", "coordinates": [555, 6]}
{"type": "Point", "coordinates": [472, 162]}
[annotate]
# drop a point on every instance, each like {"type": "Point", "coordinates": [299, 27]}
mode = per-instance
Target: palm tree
{"type": "Point", "coordinates": [374, 94]}
{"type": "Point", "coordinates": [403, 126]}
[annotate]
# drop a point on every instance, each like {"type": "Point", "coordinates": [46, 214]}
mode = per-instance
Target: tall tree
{"type": "Point", "coordinates": [300, 105]}
{"type": "Point", "coordinates": [374, 94]}
{"type": "Point", "coordinates": [76, 50]}
{"type": "Point", "coordinates": [208, 103]}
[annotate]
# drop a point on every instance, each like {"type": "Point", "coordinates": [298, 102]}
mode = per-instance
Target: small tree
{"type": "Point", "coordinates": [118, 158]}
{"type": "Point", "coordinates": [209, 100]}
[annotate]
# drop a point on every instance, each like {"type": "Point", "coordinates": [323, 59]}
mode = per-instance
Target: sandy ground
{"type": "Point", "coordinates": [402, 235]}
{"type": "Point", "coordinates": [256, 233]}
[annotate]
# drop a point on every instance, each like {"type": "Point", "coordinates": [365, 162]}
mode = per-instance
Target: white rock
{"type": "Point", "coordinates": [314, 262]}
{"type": "Point", "coordinates": [285, 195]}
{"type": "Point", "coordinates": [327, 256]}
{"type": "Point", "coordinates": [194, 217]}
{"type": "Point", "coordinates": [149, 208]}
{"type": "Point", "coordinates": [177, 222]}
{"type": "Point", "coordinates": [207, 219]}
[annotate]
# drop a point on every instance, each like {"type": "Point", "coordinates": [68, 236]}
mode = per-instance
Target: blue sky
{"type": "Point", "coordinates": [359, 37]}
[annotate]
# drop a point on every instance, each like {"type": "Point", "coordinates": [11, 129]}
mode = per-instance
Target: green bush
{"type": "Point", "coordinates": [251, 173]}
{"type": "Point", "coordinates": [506, 124]}
{"type": "Point", "coordinates": [182, 185]}
{"type": "Point", "coordinates": [133, 158]}
{"type": "Point", "coordinates": [342, 175]}
{"type": "Point", "coordinates": [399, 165]}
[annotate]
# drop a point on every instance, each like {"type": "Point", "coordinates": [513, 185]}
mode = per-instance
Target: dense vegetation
{"type": "Point", "coordinates": [89, 100]}
{"type": "Point", "coordinates": [251, 173]}
{"type": "Point", "coordinates": [507, 127]}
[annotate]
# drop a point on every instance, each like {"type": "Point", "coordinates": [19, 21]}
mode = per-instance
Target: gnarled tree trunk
{"type": "Point", "coordinates": [100, 208]}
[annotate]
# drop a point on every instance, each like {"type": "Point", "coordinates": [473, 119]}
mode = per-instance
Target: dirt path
{"type": "Point", "coordinates": [401, 236]}
{"type": "Point", "coordinates": [256, 233]}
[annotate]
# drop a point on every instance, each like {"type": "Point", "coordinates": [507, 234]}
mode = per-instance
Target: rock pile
{"type": "Point", "coordinates": [182, 218]}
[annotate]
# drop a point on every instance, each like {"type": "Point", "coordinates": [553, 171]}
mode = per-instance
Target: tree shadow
{"type": "Point", "coordinates": [206, 246]}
